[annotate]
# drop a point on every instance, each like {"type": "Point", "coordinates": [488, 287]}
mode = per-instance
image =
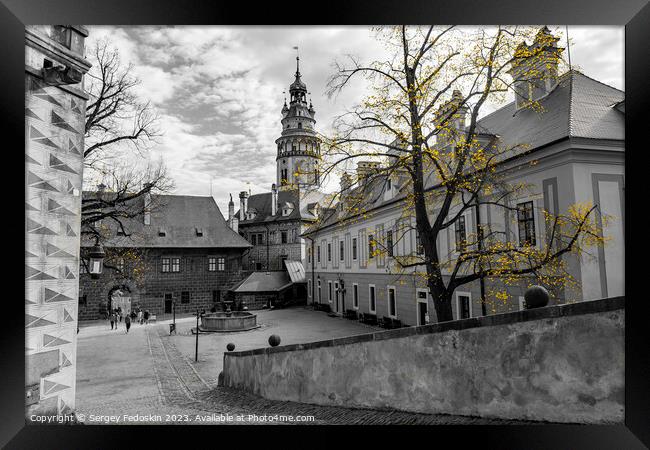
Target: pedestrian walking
{"type": "Point", "coordinates": [127, 322]}
{"type": "Point", "coordinates": [140, 316]}
{"type": "Point", "coordinates": [112, 319]}
{"type": "Point", "coordinates": [146, 316]}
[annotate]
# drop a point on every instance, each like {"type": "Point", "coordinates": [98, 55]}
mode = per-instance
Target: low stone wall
{"type": "Point", "coordinates": [560, 363]}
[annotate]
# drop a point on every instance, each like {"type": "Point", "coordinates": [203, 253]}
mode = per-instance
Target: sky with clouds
{"type": "Point", "coordinates": [219, 90]}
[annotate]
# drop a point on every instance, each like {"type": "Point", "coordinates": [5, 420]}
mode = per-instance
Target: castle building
{"type": "Point", "coordinates": [179, 255]}
{"type": "Point", "coordinates": [574, 154]}
{"type": "Point", "coordinates": [273, 222]}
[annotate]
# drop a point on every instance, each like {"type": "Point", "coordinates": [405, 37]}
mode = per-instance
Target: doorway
{"type": "Point", "coordinates": [168, 303]}
{"type": "Point", "coordinates": [422, 306]}
{"type": "Point", "coordinates": [336, 296]}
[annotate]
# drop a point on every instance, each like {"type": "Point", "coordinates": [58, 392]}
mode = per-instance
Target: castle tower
{"type": "Point", "coordinates": [298, 145]}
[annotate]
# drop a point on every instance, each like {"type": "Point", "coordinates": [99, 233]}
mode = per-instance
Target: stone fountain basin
{"type": "Point", "coordinates": [234, 321]}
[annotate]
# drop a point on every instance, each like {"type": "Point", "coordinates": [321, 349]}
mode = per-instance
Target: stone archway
{"type": "Point", "coordinates": [123, 288]}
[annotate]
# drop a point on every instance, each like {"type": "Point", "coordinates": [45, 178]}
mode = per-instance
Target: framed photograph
{"type": "Point", "coordinates": [387, 214]}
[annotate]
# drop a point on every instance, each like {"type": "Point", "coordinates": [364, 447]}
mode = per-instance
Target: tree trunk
{"type": "Point", "coordinates": [441, 300]}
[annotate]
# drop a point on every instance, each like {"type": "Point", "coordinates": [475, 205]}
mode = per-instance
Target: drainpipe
{"type": "Point", "coordinates": [479, 232]}
{"type": "Point", "coordinates": [313, 273]}
{"type": "Point", "coordinates": [268, 262]}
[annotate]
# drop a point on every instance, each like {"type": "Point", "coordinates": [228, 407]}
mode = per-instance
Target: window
{"type": "Point", "coordinates": [392, 307]}
{"type": "Point", "coordinates": [371, 298]}
{"type": "Point", "coordinates": [162, 232]}
{"type": "Point", "coordinates": [185, 297]}
{"type": "Point", "coordinates": [355, 296]}
{"type": "Point", "coordinates": [354, 249]}
{"type": "Point", "coordinates": [176, 264]}
{"type": "Point", "coordinates": [199, 232]}
{"type": "Point", "coordinates": [309, 288]}
{"type": "Point", "coordinates": [212, 264]}
{"type": "Point", "coordinates": [221, 264]}
{"type": "Point", "coordinates": [463, 303]}
{"type": "Point", "coordinates": [216, 296]}
{"type": "Point", "coordinates": [283, 237]}
{"type": "Point", "coordinates": [83, 300]}
{"type": "Point", "coordinates": [120, 232]}
{"type": "Point", "coordinates": [341, 250]}
{"type": "Point", "coordinates": [461, 234]}
{"type": "Point", "coordinates": [329, 289]}
{"type": "Point", "coordinates": [389, 185]}
{"type": "Point", "coordinates": [389, 242]}
{"type": "Point", "coordinates": [371, 246]}
{"type": "Point", "coordinates": [254, 239]}
{"type": "Point", "coordinates": [165, 264]}
{"type": "Point", "coordinates": [299, 125]}
{"type": "Point", "coordinates": [309, 255]}
{"type": "Point", "coordinates": [526, 222]}
{"type": "Point", "coordinates": [318, 253]}
{"type": "Point", "coordinates": [522, 303]}
{"type": "Point", "coordinates": [329, 252]}
{"type": "Point", "coordinates": [419, 249]}
{"type": "Point", "coordinates": [319, 292]}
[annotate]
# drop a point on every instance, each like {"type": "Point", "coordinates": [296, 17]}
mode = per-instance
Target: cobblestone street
{"type": "Point", "coordinates": [151, 374]}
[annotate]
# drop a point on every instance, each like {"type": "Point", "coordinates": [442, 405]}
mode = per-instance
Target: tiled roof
{"type": "Point", "coordinates": [179, 216]}
{"type": "Point", "coordinates": [264, 282]}
{"type": "Point", "coordinates": [299, 200]}
{"type": "Point", "coordinates": [578, 107]}
{"type": "Point", "coordinates": [296, 271]}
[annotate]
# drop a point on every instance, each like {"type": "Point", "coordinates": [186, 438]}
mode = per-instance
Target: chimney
{"type": "Point", "coordinates": [231, 208]}
{"type": "Point", "coordinates": [365, 169]}
{"type": "Point", "coordinates": [346, 184]}
{"type": "Point", "coordinates": [453, 114]}
{"type": "Point", "coordinates": [233, 223]}
{"type": "Point", "coordinates": [274, 199]}
{"type": "Point", "coordinates": [243, 204]}
{"type": "Point", "coordinates": [147, 203]}
{"type": "Point", "coordinates": [535, 67]}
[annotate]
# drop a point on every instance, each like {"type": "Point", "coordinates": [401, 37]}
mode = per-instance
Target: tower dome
{"type": "Point", "coordinates": [298, 144]}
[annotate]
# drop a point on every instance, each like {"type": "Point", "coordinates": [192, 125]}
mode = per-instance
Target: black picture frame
{"type": "Point", "coordinates": [634, 14]}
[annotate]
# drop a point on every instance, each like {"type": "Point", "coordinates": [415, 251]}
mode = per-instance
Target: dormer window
{"type": "Point", "coordinates": [389, 184]}
{"type": "Point", "coordinates": [162, 232]}
{"type": "Point", "coordinates": [199, 232]}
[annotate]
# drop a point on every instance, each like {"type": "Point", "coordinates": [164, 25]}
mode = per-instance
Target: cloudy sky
{"type": "Point", "coordinates": [219, 90]}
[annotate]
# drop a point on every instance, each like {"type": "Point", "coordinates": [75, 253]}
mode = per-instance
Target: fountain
{"type": "Point", "coordinates": [228, 320]}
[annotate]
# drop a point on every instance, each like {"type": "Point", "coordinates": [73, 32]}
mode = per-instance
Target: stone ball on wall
{"type": "Point", "coordinates": [274, 340]}
{"type": "Point", "coordinates": [536, 297]}
{"type": "Point", "coordinates": [230, 347]}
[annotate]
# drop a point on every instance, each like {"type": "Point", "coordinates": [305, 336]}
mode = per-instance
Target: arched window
{"type": "Point", "coordinates": [299, 124]}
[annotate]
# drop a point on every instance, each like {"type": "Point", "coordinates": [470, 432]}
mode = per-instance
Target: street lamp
{"type": "Point", "coordinates": [96, 256]}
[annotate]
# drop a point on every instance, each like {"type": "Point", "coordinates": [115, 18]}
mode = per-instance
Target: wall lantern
{"type": "Point", "coordinates": [96, 256]}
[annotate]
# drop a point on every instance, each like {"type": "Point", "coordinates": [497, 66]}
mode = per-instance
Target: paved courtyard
{"type": "Point", "coordinates": [148, 376]}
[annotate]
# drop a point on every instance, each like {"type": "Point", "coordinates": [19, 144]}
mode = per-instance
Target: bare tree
{"type": "Point", "coordinates": [420, 121]}
{"type": "Point", "coordinates": [115, 114]}
{"type": "Point", "coordinates": [120, 129]}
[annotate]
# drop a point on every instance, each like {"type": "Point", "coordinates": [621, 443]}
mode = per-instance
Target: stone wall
{"type": "Point", "coordinates": [149, 291]}
{"type": "Point", "coordinates": [560, 363]}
